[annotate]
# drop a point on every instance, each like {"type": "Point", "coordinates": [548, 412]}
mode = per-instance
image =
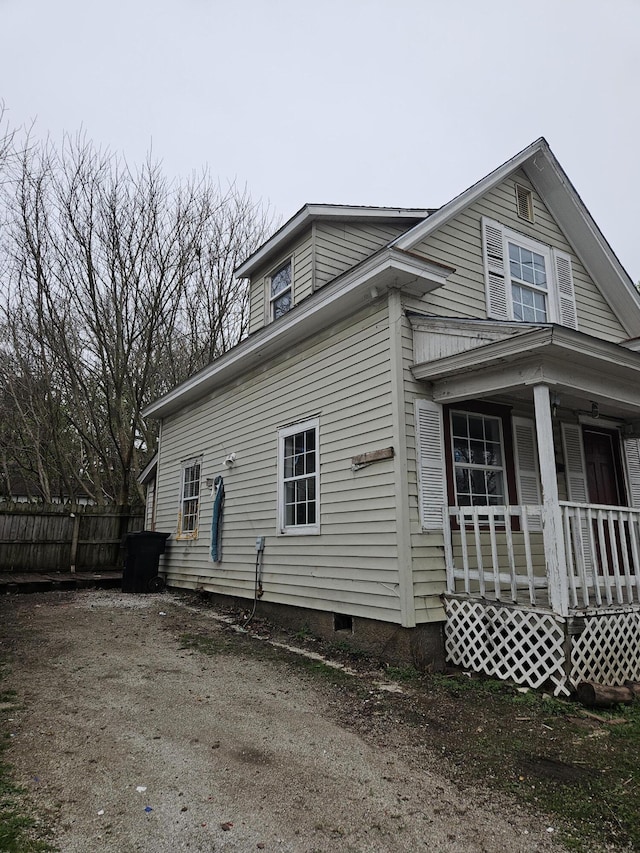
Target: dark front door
{"type": "Point", "coordinates": [604, 467]}
{"type": "Point", "coordinates": [605, 485]}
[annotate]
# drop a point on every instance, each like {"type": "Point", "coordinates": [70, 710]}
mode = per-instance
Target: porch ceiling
{"type": "Point", "coordinates": [582, 369]}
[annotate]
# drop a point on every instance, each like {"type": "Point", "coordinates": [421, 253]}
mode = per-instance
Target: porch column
{"type": "Point", "coordinates": [552, 529]}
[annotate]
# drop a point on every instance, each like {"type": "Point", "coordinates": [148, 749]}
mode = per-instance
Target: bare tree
{"type": "Point", "coordinates": [118, 285]}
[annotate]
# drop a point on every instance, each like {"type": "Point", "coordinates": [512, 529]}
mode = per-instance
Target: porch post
{"type": "Point", "coordinates": [551, 515]}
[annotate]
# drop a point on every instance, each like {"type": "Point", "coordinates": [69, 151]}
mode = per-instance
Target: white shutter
{"type": "Point", "coordinates": [632, 455]}
{"type": "Point", "coordinates": [494, 271]}
{"type": "Point", "coordinates": [575, 469]}
{"type": "Point", "coordinates": [432, 479]}
{"type": "Point", "coordinates": [527, 468]}
{"type": "Point", "coordinates": [566, 294]}
{"type": "Point", "coordinates": [576, 474]}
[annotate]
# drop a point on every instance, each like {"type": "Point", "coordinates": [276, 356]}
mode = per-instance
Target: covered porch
{"type": "Point", "coordinates": [542, 558]}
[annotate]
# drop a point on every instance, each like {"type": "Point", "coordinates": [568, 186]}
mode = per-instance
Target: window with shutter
{"type": "Point", "coordinates": [566, 294]}
{"type": "Point", "coordinates": [527, 468]}
{"type": "Point", "coordinates": [632, 457]}
{"type": "Point", "coordinates": [431, 464]}
{"type": "Point", "coordinates": [575, 469]}
{"type": "Point", "coordinates": [526, 280]}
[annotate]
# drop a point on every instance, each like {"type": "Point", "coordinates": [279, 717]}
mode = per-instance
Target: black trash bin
{"type": "Point", "coordinates": [142, 554]}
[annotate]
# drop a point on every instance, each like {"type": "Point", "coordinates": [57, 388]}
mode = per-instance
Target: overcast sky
{"type": "Point", "coordinates": [385, 102]}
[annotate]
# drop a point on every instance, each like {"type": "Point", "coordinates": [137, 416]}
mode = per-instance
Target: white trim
{"type": "Point", "coordinates": [400, 474]}
{"type": "Point", "coordinates": [283, 433]}
{"type": "Point", "coordinates": [477, 466]}
{"type": "Point", "coordinates": [327, 212]}
{"type": "Point", "coordinates": [268, 298]}
{"type": "Point", "coordinates": [193, 533]}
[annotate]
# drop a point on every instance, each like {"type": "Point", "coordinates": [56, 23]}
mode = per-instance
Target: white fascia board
{"type": "Point", "coordinates": [587, 240]}
{"type": "Point", "coordinates": [344, 295]}
{"type": "Point", "coordinates": [148, 472]}
{"type": "Point", "coordinates": [328, 212]}
{"type": "Point", "coordinates": [452, 208]}
{"type": "Point", "coordinates": [558, 193]}
{"type": "Point", "coordinates": [632, 344]}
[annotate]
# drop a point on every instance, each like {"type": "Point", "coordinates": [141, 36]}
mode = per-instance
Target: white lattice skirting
{"type": "Point", "coordinates": [526, 646]}
{"type": "Point", "coordinates": [608, 649]}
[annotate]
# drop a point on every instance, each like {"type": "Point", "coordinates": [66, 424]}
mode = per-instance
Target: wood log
{"type": "Point", "coordinates": [603, 696]}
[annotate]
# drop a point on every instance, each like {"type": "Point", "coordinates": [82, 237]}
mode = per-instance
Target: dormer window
{"type": "Point", "coordinates": [281, 291]}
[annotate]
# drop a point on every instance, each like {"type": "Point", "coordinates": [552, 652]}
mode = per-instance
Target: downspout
{"type": "Point", "coordinates": [401, 480]}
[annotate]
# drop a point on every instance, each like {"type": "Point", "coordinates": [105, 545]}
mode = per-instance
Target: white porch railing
{"type": "Point", "coordinates": [602, 548]}
{"type": "Point", "coordinates": [498, 554]}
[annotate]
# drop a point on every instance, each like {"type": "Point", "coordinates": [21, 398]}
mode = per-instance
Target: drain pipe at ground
{"type": "Point", "coordinates": [257, 586]}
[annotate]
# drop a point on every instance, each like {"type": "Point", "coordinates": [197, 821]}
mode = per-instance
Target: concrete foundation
{"type": "Point", "coordinates": [421, 647]}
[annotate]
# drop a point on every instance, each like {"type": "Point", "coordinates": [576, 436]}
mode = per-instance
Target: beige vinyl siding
{"type": "Point", "coordinates": [301, 254]}
{"type": "Point", "coordinates": [343, 378]}
{"type": "Point", "coordinates": [342, 245]}
{"type": "Point", "coordinates": [459, 244]}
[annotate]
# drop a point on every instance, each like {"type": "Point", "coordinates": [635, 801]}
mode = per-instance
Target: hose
{"type": "Point", "coordinates": [257, 590]}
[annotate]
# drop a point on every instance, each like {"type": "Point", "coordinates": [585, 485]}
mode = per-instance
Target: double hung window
{"type": "Point", "coordinates": [189, 500]}
{"type": "Point", "coordinates": [526, 280]}
{"type": "Point", "coordinates": [478, 459]}
{"type": "Point", "coordinates": [281, 294]}
{"type": "Point", "coordinates": [529, 294]}
{"type": "Point", "coordinates": [298, 475]}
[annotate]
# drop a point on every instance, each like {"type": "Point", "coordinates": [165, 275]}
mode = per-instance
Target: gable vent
{"type": "Point", "coordinates": [524, 203]}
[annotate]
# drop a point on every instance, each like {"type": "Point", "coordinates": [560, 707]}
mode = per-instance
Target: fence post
{"type": "Point", "coordinates": [75, 536]}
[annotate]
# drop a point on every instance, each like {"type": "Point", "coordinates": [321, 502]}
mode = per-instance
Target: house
{"type": "Point", "coordinates": [429, 439]}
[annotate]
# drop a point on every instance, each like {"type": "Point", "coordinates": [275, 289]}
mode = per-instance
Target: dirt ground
{"type": "Point", "coordinates": [129, 737]}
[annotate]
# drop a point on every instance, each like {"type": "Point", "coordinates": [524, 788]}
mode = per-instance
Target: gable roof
{"type": "Point", "coordinates": [397, 265]}
{"type": "Point", "coordinates": [565, 205]}
{"type": "Point", "coordinates": [327, 213]}
{"type": "Point", "coordinates": [361, 284]}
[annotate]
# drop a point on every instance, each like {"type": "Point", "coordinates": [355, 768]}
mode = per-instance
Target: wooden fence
{"type": "Point", "coordinates": [63, 538]}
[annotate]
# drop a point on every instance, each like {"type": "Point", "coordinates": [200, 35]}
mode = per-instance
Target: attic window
{"type": "Point", "coordinates": [524, 203]}
{"type": "Point", "coordinates": [281, 301]}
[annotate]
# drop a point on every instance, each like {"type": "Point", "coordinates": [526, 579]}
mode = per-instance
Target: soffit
{"type": "Point", "coordinates": [576, 365]}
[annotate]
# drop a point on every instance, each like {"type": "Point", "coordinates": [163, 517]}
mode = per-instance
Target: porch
{"type": "Point", "coordinates": [505, 611]}
{"type": "Point", "coordinates": [543, 588]}
{"type": "Point", "coordinates": [499, 553]}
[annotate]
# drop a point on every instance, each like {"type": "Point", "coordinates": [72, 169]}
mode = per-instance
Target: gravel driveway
{"type": "Point", "coordinates": [128, 740]}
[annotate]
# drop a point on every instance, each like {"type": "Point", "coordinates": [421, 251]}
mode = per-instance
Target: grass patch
{"type": "Point", "coordinates": [550, 755]}
{"type": "Point", "coordinates": [18, 831]}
